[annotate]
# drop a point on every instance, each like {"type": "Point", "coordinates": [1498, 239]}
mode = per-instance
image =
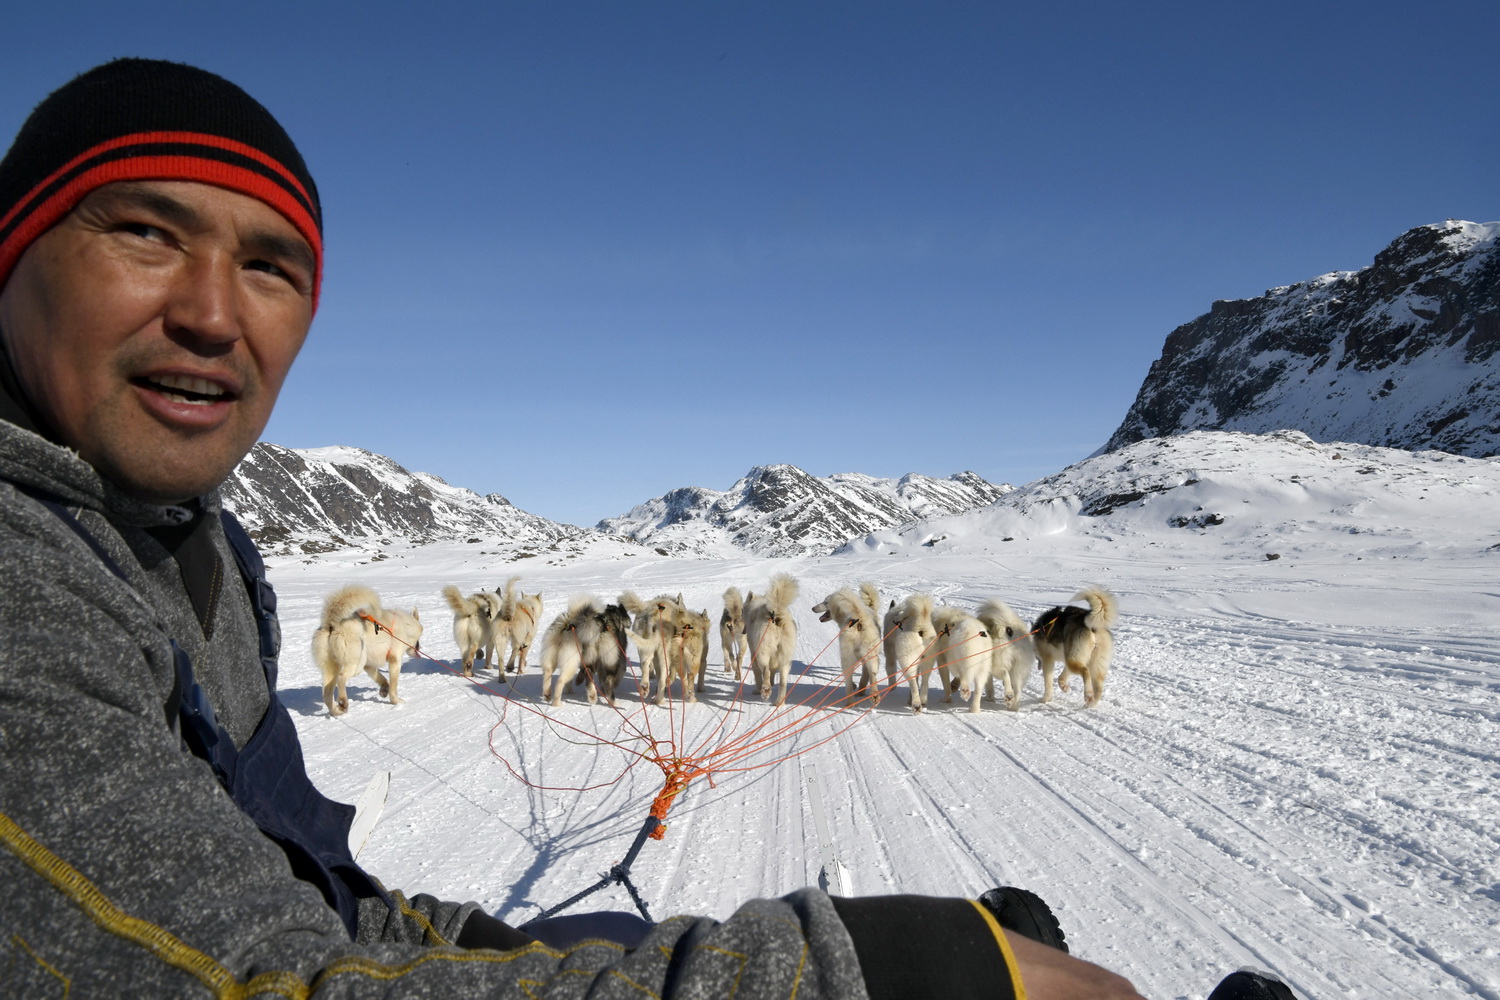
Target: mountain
{"type": "Point", "coordinates": [1400, 354]}
{"type": "Point", "coordinates": [320, 499]}
{"type": "Point", "coordinates": [1234, 495]}
{"type": "Point", "coordinates": [780, 510]}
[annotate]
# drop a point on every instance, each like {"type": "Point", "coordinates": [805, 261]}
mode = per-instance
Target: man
{"type": "Point", "coordinates": [160, 262]}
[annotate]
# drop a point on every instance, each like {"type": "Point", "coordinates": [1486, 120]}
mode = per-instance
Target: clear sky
{"type": "Point", "coordinates": [581, 253]}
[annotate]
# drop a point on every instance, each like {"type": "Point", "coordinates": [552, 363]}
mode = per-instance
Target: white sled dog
{"type": "Point", "coordinates": [963, 655]}
{"type": "Point", "coordinates": [859, 635]}
{"type": "Point", "coordinates": [472, 620]}
{"type": "Point", "coordinates": [909, 646]}
{"type": "Point", "coordinates": [570, 643]}
{"type": "Point", "coordinates": [1081, 640]}
{"type": "Point", "coordinates": [1013, 655]}
{"type": "Point", "coordinates": [732, 632]}
{"type": "Point", "coordinates": [338, 645]}
{"type": "Point", "coordinates": [653, 630]}
{"type": "Point", "coordinates": [515, 629]}
{"type": "Point", "coordinates": [771, 632]}
{"type": "Point", "coordinates": [395, 637]}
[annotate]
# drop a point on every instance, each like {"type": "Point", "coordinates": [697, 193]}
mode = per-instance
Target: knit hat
{"type": "Point", "coordinates": [145, 119]}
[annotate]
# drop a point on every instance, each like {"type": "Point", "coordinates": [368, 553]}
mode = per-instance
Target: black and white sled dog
{"type": "Point", "coordinates": [1080, 640]}
{"type": "Point", "coordinates": [963, 655]}
{"type": "Point", "coordinates": [732, 632]}
{"type": "Point", "coordinates": [909, 640]}
{"type": "Point", "coordinates": [1013, 654]}
{"type": "Point", "coordinates": [771, 632]}
{"type": "Point", "coordinates": [859, 635]}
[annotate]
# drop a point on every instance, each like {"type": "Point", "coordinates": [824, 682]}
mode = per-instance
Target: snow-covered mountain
{"type": "Point", "coordinates": [1254, 497]}
{"type": "Point", "coordinates": [780, 510]}
{"type": "Point", "coordinates": [1401, 353]}
{"type": "Point", "coordinates": [319, 499]}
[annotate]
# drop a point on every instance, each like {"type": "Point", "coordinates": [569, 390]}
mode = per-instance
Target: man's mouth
{"type": "Point", "coordinates": [187, 389]}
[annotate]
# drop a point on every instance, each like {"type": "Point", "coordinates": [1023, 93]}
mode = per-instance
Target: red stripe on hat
{"type": "Point", "coordinates": [180, 167]}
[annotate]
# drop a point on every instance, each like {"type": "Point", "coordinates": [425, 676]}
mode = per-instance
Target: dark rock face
{"type": "Point", "coordinates": [782, 510]}
{"type": "Point", "coordinates": [1400, 354]}
{"type": "Point", "coordinates": [321, 499]}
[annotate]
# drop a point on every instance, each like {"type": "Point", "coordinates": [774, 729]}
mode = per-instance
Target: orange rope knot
{"type": "Point", "coordinates": [677, 782]}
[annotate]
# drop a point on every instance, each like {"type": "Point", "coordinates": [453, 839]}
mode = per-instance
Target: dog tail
{"type": "Point", "coordinates": [1103, 609]}
{"type": "Point", "coordinates": [632, 603]}
{"type": "Point", "coordinates": [507, 595]}
{"type": "Point", "coordinates": [346, 602]}
{"type": "Point", "coordinates": [461, 605]}
{"type": "Point", "coordinates": [734, 604]}
{"type": "Point", "coordinates": [870, 595]}
{"type": "Point", "coordinates": [782, 592]}
{"type": "Point", "coordinates": [1002, 622]}
{"type": "Point", "coordinates": [919, 606]}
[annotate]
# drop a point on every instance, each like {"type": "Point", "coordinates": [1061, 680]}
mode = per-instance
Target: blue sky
{"type": "Point", "coordinates": [583, 253]}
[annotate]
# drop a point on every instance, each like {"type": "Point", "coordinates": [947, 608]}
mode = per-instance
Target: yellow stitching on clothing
{"type": "Point", "coordinates": [633, 984]}
{"type": "Point", "coordinates": [744, 961]}
{"type": "Point", "coordinates": [427, 929]}
{"type": "Point", "coordinates": [1016, 986]}
{"type": "Point", "coordinates": [21, 942]}
{"type": "Point", "coordinates": [155, 939]}
{"type": "Point", "coordinates": [802, 964]}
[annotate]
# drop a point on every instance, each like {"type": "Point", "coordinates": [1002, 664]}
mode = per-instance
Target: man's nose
{"type": "Point", "coordinates": [204, 301]}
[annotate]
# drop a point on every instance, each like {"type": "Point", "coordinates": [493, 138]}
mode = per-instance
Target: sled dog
{"type": "Point", "coordinates": [909, 641]}
{"type": "Point", "coordinates": [771, 632]}
{"type": "Point", "coordinates": [395, 636]}
{"type": "Point", "coordinates": [1013, 655]}
{"type": "Point", "coordinates": [472, 617]}
{"type": "Point", "coordinates": [963, 655]}
{"type": "Point", "coordinates": [732, 632]}
{"type": "Point", "coordinates": [570, 644]}
{"type": "Point", "coordinates": [653, 630]}
{"type": "Point", "coordinates": [516, 626]}
{"type": "Point", "coordinates": [338, 645]}
{"type": "Point", "coordinates": [610, 659]}
{"type": "Point", "coordinates": [688, 652]}
{"type": "Point", "coordinates": [859, 635]}
{"type": "Point", "coordinates": [1080, 640]}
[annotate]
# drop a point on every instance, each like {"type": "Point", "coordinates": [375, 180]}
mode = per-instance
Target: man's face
{"type": "Point", "coordinates": [153, 326]}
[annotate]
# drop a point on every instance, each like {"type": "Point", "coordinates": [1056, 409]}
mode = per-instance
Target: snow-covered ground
{"type": "Point", "coordinates": [1296, 764]}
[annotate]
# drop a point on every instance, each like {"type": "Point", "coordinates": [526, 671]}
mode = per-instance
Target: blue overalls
{"type": "Point", "coordinates": [267, 777]}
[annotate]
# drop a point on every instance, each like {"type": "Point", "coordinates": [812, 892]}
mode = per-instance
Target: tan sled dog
{"type": "Point", "coordinates": [859, 635]}
{"type": "Point", "coordinates": [520, 614]}
{"type": "Point", "coordinates": [338, 645]}
{"type": "Point", "coordinates": [1013, 655]}
{"type": "Point", "coordinates": [395, 637]}
{"type": "Point", "coordinates": [732, 632]}
{"type": "Point", "coordinates": [909, 646]}
{"type": "Point", "coordinates": [472, 616]}
{"type": "Point", "coordinates": [653, 630]}
{"type": "Point", "coordinates": [771, 632]}
{"type": "Point", "coordinates": [1081, 640]}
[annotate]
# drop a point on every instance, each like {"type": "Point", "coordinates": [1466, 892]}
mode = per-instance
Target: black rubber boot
{"type": "Point", "coordinates": [1247, 984]}
{"type": "Point", "coordinates": [1025, 912]}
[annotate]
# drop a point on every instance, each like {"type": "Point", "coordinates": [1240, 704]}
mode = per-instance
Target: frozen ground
{"type": "Point", "coordinates": [1295, 765]}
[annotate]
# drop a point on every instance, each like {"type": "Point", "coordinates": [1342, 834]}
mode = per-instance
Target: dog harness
{"type": "Point", "coordinates": [267, 777]}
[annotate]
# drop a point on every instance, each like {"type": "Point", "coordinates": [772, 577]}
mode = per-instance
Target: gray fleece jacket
{"type": "Point", "coordinates": [131, 873]}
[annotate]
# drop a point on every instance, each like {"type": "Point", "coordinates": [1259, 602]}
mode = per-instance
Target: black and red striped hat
{"type": "Point", "coordinates": [146, 119]}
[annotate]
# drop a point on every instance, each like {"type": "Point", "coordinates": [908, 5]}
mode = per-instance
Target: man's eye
{"type": "Point", "coordinates": [267, 267]}
{"type": "Point", "coordinates": [144, 230]}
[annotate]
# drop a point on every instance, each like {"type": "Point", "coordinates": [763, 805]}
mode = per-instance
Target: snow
{"type": "Point", "coordinates": [1294, 766]}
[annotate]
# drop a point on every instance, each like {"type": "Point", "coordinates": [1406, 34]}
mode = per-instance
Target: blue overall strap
{"type": "Point", "coordinates": [270, 781]}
